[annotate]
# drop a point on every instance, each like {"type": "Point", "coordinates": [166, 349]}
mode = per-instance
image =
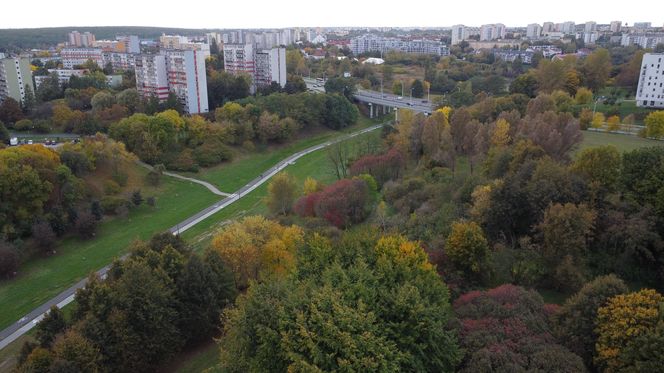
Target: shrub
{"type": "Point", "coordinates": [111, 187]}
{"type": "Point", "coordinates": [86, 224]}
{"type": "Point", "coordinates": [110, 205]}
{"type": "Point", "coordinates": [23, 125]}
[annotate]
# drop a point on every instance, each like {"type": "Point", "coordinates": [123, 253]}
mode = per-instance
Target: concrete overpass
{"type": "Point", "coordinates": [380, 103]}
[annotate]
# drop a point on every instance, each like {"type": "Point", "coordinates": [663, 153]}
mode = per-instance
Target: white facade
{"type": "Point", "coordinates": [590, 37]}
{"type": "Point", "coordinates": [567, 28]}
{"type": "Point", "coordinates": [78, 56]}
{"type": "Point", "coordinates": [372, 43]}
{"type": "Point", "coordinates": [590, 26]}
{"type": "Point", "coordinates": [15, 75]}
{"type": "Point", "coordinates": [650, 92]}
{"type": "Point", "coordinates": [119, 61]}
{"type": "Point", "coordinates": [615, 26]}
{"type": "Point", "coordinates": [643, 40]}
{"type": "Point", "coordinates": [151, 78]}
{"type": "Point", "coordinates": [271, 67]}
{"type": "Point", "coordinates": [63, 75]}
{"type": "Point", "coordinates": [533, 31]}
{"type": "Point", "coordinates": [548, 27]}
{"type": "Point", "coordinates": [186, 78]}
{"type": "Point", "coordinates": [492, 32]}
{"type": "Point", "coordinates": [264, 66]}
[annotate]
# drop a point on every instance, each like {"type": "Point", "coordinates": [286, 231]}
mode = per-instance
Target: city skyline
{"type": "Point", "coordinates": [344, 13]}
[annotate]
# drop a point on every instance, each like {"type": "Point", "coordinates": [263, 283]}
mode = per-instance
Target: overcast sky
{"type": "Point", "coordinates": [277, 14]}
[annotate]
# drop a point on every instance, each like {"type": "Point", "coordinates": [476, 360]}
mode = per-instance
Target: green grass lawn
{"type": "Point", "coordinates": [41, 279]}
{"type": "Point", "coordinates": [315, 165]}
{"type": "Point", "coordinates": [230, 177]}
{"type": "Point", "coordinates": [622, 142]}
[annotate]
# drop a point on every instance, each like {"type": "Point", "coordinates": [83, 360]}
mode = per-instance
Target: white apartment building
{"type": "Point", "coordinates": [615, 26]}
{"type": "Point", "coordinates": [589, 27]}
{"type": "Point", "coordinates": [78, 56]}
{"type": "Point", "coordinates": [151, 78]}
{"type": "Point", "coordinates": [264, 66]}
{"type": "Point", "coordinates": [271, 67]}
{"type": "Point", "coordinates": [63, 75]}
{"type": "Point", "coordinates": [185, 70]}
{"type": "Point", "coordinates": [650, 91]}
{"type": "Point", "coordinates": [643, 40]}
{"type": "Point", "coordinates": [548, 27]}
{"type": "Point", "coordinates": [372, 43]}
{"type": "Point", "coordinates": [492, 32]}
{"type": "Point", "coordinates": [567, 27]}
{"type": "Point", "coordinates": [533, 31]}
{"type": "Point", "coordinates": [119, 61]}
{"type": "Point", "coordinates": [15, 75]}
{"type": "Point", "coordinates": [590, 37]}
{"type": "Point", "coordinates": [458, 34]}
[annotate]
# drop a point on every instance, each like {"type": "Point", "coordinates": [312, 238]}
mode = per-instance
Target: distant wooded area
{"type": "Point", "coordinates": [27, 38]}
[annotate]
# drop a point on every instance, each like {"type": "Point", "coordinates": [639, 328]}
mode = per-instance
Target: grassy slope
{"type": "Point", "coordinates": [230, 177]}
{"type": "Point", "coordinates": [622, 142]}
{"type": "Point", "coordinates": [315, 165]}
{"type": "Point", "coordinates": [41, 279]}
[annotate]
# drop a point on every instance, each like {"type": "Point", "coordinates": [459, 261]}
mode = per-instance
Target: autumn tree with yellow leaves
{"type": "Point", "coordinates": [623, 325]}
{"type": "Point", "coordinates": [255, 248]}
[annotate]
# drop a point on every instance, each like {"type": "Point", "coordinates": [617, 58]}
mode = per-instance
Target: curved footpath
{"type": "Point", "coordinates": [27, 322]}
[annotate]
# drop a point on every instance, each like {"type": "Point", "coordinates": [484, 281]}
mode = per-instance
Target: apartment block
{"type": "Point", "coordinates": [492, 32]}
{"type": "Point", "coordinates": [264, 66]}
{"type": "Point", "coordinates": [615, 26]}
{"type": "Point", "coordinates": [63, 75]}
{"type": "Point", "coordinates": [185, 70]}
{"type": "Point", "coordinates": [119, 61]}
{"type": "Point", "coordinates": [78, 56]}
{"type": "Point", "coordinates": [15, 75]}
{"type": "Point", "coordinates": [179, 71]}
{"type": "Point", "coordinates": [270, 67]}
{"type": "Point", "coordinates": [372, 43]}
{"type": "Point", "coordinates": [151, 78]}
{"type": "Point", "coordinates": [650, 91]}
{"type": "Point", "coordinates": [533, 31]}
{"type": "Point", "coordinates": [649, 40]}
{"type": "Point", "coordinates": [76, 39]}
{"type": "Point", "coordinates": [121, 44]}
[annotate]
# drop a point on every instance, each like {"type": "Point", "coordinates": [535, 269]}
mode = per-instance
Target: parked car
{"type": "Point", "coordinates": [399, 98]}
{"type": "Point", "coordinates": [30, 142]}
{"type": "Point", "coordinates": [13, 141]}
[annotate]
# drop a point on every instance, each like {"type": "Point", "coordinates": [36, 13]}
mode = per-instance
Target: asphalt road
{"type": "Point", "coordinates": [27, 322]}
{"type": "Point", "coordinates": [377, 98]}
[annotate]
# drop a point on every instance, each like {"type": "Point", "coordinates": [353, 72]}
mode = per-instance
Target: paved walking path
{"type": "Point", "coordinates": [210, 187]}
{"type": "Point", "coordinates": [27, 322]}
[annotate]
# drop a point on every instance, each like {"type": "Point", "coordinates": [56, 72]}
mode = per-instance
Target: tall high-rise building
{"type": "Point", "coordinates": [76, 39]}
{"type": "Point", "coordinates": [15, 75]}
{"type": "Point", "coordinates": [533, 31]}
{"type": "Point", "coordinates": [492, 32]}
{"type": "Point", "coordinates": [615, 26]}
{"type": "Point", "coordinates": [548, 27]}
{"type": "Point", "coordinates": [567, 27]}
{"type": "Point", "coordinates": [264, 66]}
{"type": "Point", "coordinates": [151, 78]}
{"type": "Point", "coordinates": [186, 78]}
{"type": "Point", "coordinates": [458, 34]}
{"type": "Point", "coordinates": [181, 72]}
{"type": "Point", "coordinates": [650, 91]}
{"type": "Point", "coordinates": [590, 26]}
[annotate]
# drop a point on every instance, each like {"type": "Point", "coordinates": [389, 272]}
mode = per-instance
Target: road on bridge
{"type": "Point", "coordinates": [27, 322]}
{"type": "Point", "coordinates": [380, 98]}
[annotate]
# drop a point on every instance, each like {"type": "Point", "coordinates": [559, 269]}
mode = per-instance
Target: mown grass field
{"type": "Point", "coordinates": [622, 142]}
{"type": "Point", "coordinates": [42, 278]}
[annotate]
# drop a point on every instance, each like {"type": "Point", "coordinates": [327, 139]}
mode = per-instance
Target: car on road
{"type": "Point", "coordinates": [425, 101]}
{"type": "Point", "coordinates": [399, 98]}
{"type": "Point", "coordinates": [30, 142]}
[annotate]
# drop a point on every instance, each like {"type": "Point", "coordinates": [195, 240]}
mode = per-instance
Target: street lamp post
{"type": "Point", "coordinates": [411, 95]}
